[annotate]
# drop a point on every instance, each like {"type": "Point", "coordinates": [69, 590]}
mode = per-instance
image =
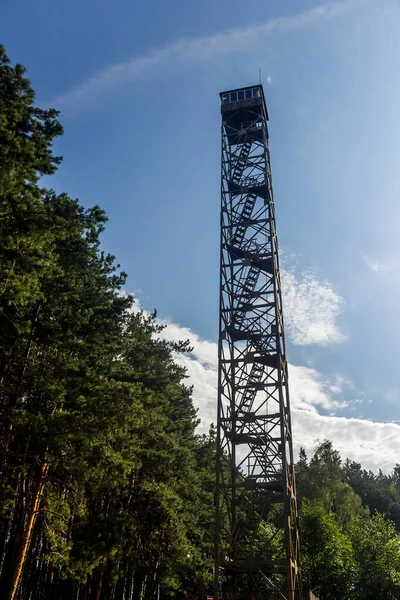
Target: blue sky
{"type": "Point", "coordinates": [138, 84]}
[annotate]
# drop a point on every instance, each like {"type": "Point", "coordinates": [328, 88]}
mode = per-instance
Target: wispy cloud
{"type": "Point", "coordinates": [197, 49]}
{"type": "Point", "coordinates": [311, 310]}
{"type": "Point", "coordinates": [374, 265]}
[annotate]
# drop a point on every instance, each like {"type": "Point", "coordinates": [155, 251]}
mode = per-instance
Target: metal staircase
{"type": "Point", "coordinates": [240, 163]}
{"type": "Point", "coordinates": [248, 207]}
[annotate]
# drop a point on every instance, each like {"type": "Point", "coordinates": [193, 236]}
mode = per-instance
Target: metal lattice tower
{"type": "Point", "coordinates": [257, 540]}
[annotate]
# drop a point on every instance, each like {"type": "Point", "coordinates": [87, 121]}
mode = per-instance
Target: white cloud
{"type": "Point", "coordinates": [375, 445]}
{"type": "Point", "coordinates": [202, 370]}
{"type": "Point", "coordinates": [374, 265]}
{"type": "Point", "coordinates": [198, 49]}
{"type": "Point", "coordinates": [311, 310]}
{"type": "Point", "coordinates": [205, 352]}
{"type": "Point", "coordinates": [310, 390]}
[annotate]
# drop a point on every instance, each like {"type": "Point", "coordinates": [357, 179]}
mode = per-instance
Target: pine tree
{"type": "Point", "coordinates": [105, 488]}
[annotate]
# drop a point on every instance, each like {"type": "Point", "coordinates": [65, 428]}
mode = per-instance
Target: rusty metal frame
{"type": "Point", "coordinates": [257, 539]}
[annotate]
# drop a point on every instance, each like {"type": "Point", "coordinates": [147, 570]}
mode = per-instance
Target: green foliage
{"type": "Point", "coordinates": [377, 552]}
{"type": "Point", "coordinates": [322, 479]}
{"type": "Point", "coordinates": [328, 561]}
{"type": "Point", "coordinates": [90, 396]}
{"type": "Point", "coordinates": [346, 553]}
{"type": "Point", "coordinates": [381, 493]}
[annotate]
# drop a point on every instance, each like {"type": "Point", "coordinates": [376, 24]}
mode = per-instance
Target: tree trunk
{"type": "Point", "coordinates": [119, 592]}
{"type": "Point", "coordinates": [26, 540]}
{"type": "Point", "coordinates": [7, 522]}
{"type": "Point", "coordinates": [14, 534]}
{"type": "Point", "coordinates": [33, 570]}
{"type": "Point", "coordinates": [129, 585]}
{"type": "Point", "coordinates": [138, 579]}
{"type": "Point", "coordinates": [150, 586]}
{"type": "Point", "coordinates": [97, 583]}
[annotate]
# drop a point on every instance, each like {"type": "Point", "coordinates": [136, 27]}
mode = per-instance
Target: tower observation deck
{"type": "Point", "coordinates": [257, 541]}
